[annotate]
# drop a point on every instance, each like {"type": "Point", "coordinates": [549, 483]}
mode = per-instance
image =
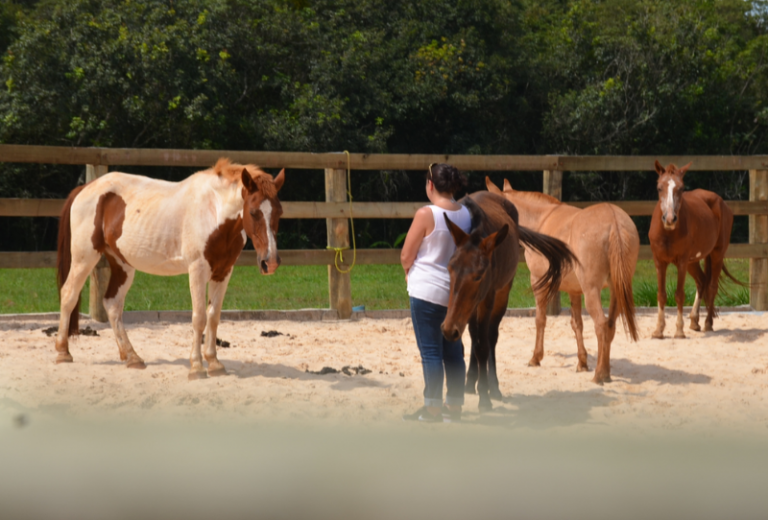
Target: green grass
{"type": "Point", "coordinates": [298, 287]}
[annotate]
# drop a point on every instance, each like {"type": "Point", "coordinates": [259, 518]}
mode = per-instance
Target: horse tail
{"type": "Point", "coordinates": [560, 258]}
{"type": "Point", "coordinates": [621, 271]}
{"type": "Point", "coordinates": [734, 279]}
{"type": "Point", "coordinates": [64, 257]}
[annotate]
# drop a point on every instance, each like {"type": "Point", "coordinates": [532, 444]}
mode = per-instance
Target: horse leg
{"type": "Point", "coordinates": [595, 310]}
{"type": "Point", "coordinates": [469, 386]}
{"type": "Point", "coordinates": [578, 328]}
{"type": "Point", "coordinates": [694, 269]}
{"type": "Point", "coordinates": [500, 303]}
{"type": "Point", "coordinates": [680, 300]}
{"type": "Point", "coordinates": [716, 257]}
{"type": "Point", "coordinates": [198, 277]}
{"type": "Point", "coordinates": [661, 297]}
{"type": "Point", "coordinates": [120, 280]}
{"type": "Point", "coordinates": [69, 296]}
{"type": "Point", "coordinates": [483, 352]}
{"type": "Point", "coordinates": [216, 292]}
{"type": "Point", "coordinates": [541, 324]}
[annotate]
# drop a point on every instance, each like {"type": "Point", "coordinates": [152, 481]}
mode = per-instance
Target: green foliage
{"type": "Point", "coordinates": [436, 76]}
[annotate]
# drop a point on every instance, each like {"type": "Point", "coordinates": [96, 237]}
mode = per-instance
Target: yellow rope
{"type": "Point", "coordinates": [339, 250]}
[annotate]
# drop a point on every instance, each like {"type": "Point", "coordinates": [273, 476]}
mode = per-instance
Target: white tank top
{"type": "Point", "coordinates": [428, 278]}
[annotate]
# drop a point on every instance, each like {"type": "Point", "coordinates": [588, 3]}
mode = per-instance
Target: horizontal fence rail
{"type": "Point", "coordinates": [405, 210]}
{"type": "Point", "coordinates": [335, 210]}
{"type": "Point", "coordinates": [359, 161]}
{"type": "Point", "coordinates": [41, 259]}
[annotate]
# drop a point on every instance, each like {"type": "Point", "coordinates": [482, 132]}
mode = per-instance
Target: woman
{"type": "Point", "coordinates": [427, 249]}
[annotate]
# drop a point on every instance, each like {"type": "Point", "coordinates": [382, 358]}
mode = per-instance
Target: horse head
{"type": "Point", "coordinates": [670, 187]}
{"type": "Point", "coordinates": [469, 267]}
{"type": "Point", "coordinates": [261, 216]}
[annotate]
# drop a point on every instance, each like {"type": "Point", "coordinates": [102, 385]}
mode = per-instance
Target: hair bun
{"type": "Point", "coordinates": [448, 179]}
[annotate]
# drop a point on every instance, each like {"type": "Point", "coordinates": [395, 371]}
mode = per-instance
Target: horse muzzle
{"type": "Point", "coordinates": [451, 332]}
{"type": "Point", "coordinates": [669, 224]}
{"type": "Point", "coordinates": [269, 265]}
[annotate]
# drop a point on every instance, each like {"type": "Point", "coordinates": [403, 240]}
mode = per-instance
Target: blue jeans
{"type": "Point", "coordinates": [438, 355]}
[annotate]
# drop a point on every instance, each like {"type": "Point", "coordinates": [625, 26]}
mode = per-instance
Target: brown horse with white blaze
{"type": "Point", "coordinates": [606, 242]}
{"type": "Point", "coordinates": [482, 270]}
{"type": "Point", "coordinates": [197, 226]}
{"type": "Point", "coordinates": [686, 228]}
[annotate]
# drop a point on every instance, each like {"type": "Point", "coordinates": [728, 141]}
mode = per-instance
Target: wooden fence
{"type": "Point", "coordinates": [336, 211]}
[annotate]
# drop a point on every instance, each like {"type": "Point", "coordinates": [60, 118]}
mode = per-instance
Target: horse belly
{"type": "Point", "coordinates": [154, 254]}
{"type": "Point", "coordinates": [570, 283]}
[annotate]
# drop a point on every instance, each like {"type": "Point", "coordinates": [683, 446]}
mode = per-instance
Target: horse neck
{"type": "Point", "coordinates": [227, 197]}
{"type": "Point", "coordinates": [530, 213]}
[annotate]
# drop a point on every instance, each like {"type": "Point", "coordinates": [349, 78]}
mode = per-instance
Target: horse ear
{"type": "Point", "coordinates": [502, 234]}
{"type": "Point", "coordinates": [507, 185]}
{"type": "Point", "coordinates": [659, 167]}
{"type": "Point", "coordinates": [491, 186]}
{"type": "Point", "coordinates": [493, 240]}
{"type": "Point", "coordinates": [459, 236]}
{"type": "Point", "coordinates": [248, 183]}
{"type": "Point", "coordinates": [684, 169]}
{"type": "Point", "coordinates": [280, 179]}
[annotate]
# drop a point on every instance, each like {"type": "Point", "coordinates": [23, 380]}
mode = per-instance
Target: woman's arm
{"type": "Point", "coordinates": [423, 224]}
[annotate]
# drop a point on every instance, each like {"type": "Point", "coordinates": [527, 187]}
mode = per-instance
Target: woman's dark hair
{"type": "Point", "coordinates": [446, 178]}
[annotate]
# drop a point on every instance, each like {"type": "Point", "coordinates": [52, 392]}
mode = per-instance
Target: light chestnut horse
{"type": "Point", "coordinates": [687, 227]}
{"type": "Point", "coordinates": [197, 226]}
{"type": "Point", "coordinates": [606, 244]}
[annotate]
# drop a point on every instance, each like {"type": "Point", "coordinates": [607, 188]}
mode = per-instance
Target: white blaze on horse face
{"type": "Point", "coordinates": [668, 202]}
{"type": "Point", "coordinates": [266, 210]}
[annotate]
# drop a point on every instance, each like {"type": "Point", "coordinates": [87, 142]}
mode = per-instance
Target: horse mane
{"type": "Point", "coordinates": [232, 172]}
{"type": "Point", "coordinates": [537, 196]}
{"type": "Point", "coordinates": [478, 228]}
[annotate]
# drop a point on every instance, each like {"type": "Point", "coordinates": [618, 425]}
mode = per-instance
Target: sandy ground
{"type": "Point", "coordinates": [712, 381]}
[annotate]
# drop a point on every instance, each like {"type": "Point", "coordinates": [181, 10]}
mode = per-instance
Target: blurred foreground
{"type": "Point", "coordinates": [73, 469]}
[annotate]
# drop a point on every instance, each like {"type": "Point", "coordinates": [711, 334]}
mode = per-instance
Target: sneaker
{"type": "Point", "coordinates": [423, 415]}
{"type": "Point", "coordinates": [449, 416]}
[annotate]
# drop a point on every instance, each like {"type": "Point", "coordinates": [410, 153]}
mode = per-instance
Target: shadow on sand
{"type": "Point", "coordinates": [541, 412]}
{"type": "Point", "coordinates": [635, 374]}
{"type": "Point", "coordinates": [245, 370]}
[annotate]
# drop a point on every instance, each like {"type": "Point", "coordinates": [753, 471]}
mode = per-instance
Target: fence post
{"type": "Point", "coordinates": [339, 287]}
{"type": "Point", "coordinates": [758, 234]}
{"type": "Point", "coordinates": [553, 185]}
{"type": "Point", "coordinates": [100, 273]}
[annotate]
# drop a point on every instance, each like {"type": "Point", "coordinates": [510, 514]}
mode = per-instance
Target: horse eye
{"type": "Point", "coordinates": [255, 213]}
{"type": "Point", "coordinates": [478, 277]}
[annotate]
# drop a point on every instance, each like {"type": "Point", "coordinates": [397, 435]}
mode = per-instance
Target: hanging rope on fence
{"type": "Point", "coordinates": [339, 250]}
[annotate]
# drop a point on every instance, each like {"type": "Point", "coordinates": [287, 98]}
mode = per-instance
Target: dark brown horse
{"type": "Point", "coordinates": [482, 271]}
{"type": "Point", "coordinates": [687, 227]}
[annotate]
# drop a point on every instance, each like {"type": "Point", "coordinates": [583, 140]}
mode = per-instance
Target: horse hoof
{"type": "Point", "coordinates": [217, 372]}
{"type": "Point", "coordinates": [64, 358]}
{"type": "Point", "coordinates": [582, 368]}
{"type": "Point", "coordinates": [657, 335]}
{"type": "Point", "coordinates": [708, 328]}
{"type": "Point", "coordinates": [485, 407]}
{"type": "Point", "coordinates": [497, 396]}
{"type": "Point", "coordinates": [695, 326]}
{"type": "Point", "coordinates": [138, 365]}
{"type": "Point", "coordinates": [194, 376]}
{"type": "Point", "coordinates": [600, 380]}
{"type": "Point", "coordinates": [679, 335]}
{"type": "Point", "coordinates": [534, 363]}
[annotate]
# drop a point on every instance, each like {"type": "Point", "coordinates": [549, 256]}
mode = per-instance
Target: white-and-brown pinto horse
{"type": "Point", "coordinates": [197, 226]}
